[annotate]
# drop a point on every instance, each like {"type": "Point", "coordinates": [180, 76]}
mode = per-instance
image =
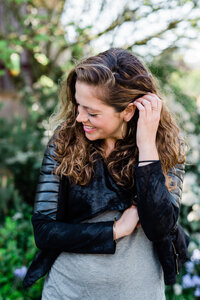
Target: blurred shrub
{"type": "Point", "coordinates": [17, 249]}
{"type": "Point", "coordinates": [22, 144]}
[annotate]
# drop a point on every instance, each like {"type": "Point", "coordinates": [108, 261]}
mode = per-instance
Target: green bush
{"type": "Point", "coordinates": [22, 144]}
{"type": "Point", "coordinates": [17, 249]}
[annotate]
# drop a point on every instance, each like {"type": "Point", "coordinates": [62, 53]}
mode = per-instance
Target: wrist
{"type": "Point", "coordinates": [147, 146]}
{"type": "Point", "coordinates": [114, 230]}
{"type": "Point", "coordinates": [148, 152]}
{"type": "Point", "coordinates": [117, 232]}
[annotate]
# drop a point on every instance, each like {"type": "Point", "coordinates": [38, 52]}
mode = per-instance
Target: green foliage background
{"type": "Point", "coordinates": [32, 32]}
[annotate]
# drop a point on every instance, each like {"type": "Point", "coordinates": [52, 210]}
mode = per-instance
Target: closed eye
{"type": "Point", "coordinates": [92, 115]}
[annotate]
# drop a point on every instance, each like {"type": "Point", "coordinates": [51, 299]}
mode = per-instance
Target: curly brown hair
{"type": "Point", "coordinates": [121, 78]}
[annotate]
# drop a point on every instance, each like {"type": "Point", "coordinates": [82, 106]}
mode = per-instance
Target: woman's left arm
{"type": "Point", "coordinates": [158, 209]}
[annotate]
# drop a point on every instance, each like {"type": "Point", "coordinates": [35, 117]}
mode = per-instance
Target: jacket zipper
{"type": "Point", "coordinates": [176, 258]}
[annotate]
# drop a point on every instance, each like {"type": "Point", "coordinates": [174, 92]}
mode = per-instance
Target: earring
{"type": "Point", "coordinates": [122, 130]}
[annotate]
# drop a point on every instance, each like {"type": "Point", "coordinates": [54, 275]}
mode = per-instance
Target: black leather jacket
{"type": "Point", "coordinates": [60, 206]}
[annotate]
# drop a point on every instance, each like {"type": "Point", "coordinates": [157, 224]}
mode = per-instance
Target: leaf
{"type": "Point", "coordinates": [3, 45]}
{"type": "Point", "coordinates": [41, 38]}
{"type": "Point", "coordinates": [2, 72]}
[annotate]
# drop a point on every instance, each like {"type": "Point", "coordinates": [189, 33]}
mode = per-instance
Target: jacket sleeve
{"type": "Point", "coordinates": [49, 233]}
{"type": "Point", "coordinates": [158, 208]}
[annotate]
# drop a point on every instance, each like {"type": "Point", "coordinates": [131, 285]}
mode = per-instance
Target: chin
{"type": "Point", "coordinates": [92, 137]}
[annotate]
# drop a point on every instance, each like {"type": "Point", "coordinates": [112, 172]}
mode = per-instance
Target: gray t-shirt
{"type": "Point", "coordinates": [132, 273]}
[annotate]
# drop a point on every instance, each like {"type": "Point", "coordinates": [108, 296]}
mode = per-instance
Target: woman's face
{"type": "Point", "coordinates": [99, 120]}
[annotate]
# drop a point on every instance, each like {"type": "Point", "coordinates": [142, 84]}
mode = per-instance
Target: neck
{"type": "Point", "coordinates": [108, 146]}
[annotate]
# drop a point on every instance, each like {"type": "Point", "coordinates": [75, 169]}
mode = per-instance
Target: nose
{"type": "Point", "coordinates": [81, 117]}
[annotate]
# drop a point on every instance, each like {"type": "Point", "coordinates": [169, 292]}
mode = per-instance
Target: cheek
{"type": "Point", "coordinates": [98, 122]}
{"type": "Point", "coordinates": [105, 122]}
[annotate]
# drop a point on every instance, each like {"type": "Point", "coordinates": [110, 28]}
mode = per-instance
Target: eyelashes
{"type": "Point", "coordinates": [92, 115]}
{"type": "Point", "coordinates": [89, 114]}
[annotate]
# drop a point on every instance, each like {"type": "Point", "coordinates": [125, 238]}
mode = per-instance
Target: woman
{"type": "Point", "coordinates": [116, 161]}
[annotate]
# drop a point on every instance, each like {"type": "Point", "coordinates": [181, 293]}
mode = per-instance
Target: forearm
{"type": "Point", "coordinates": [78, 238]}
{"type": "Point", "coordinates": [156, 212]}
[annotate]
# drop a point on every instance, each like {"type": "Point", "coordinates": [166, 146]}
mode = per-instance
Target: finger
{"type": "Point", "coordinates": [158, 101]}
{"type": "Point", "coordinates": [153, 99]}
{"type": "Point", "coordinates": [133, 207]}
{"type": "Point", "coordinates": [147, 105]}
{"type": "Point", "coordinates": [140, 107]}
{"type": "Point", "coordinates": [153, 95]}
{"type": "Point", "coordinates": [152, 103]}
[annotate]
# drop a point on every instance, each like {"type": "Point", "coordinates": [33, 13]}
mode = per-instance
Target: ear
{"type": "Point", "coordinates": [129, 112]}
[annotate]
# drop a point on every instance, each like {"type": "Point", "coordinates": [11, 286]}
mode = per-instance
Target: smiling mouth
{"type": "Point", "coordinates": [88, 128]}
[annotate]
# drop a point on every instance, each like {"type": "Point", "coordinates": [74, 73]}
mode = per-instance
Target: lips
{"type": "Point", "coordinates": [88, 128]}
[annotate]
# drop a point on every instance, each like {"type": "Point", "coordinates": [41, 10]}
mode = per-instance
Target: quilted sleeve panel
{"type": "Point", "coordinates": [46, 199]}
{"type": "Point", "coordinates": [157, 213]}
{"type": "Point", "coordinates": [176, 174]}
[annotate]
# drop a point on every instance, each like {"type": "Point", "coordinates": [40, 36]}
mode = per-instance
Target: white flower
{"type": "Point", "coordinates": [196, 255]}
{"type": "Point", "coordinates": [190, 179]}
{"type": "Point", "coordinates": [193, 141]}
{"type": "Point", "coordinates": [189, 198]}
{"type": "Point", "coordinates": [177, 289]}
{"type": "Point", "coordinates": [193, 156]}
{"type": "Point", "coordinates": [193, 216]}
{"type": "Point", "coordinates": [189, 126]}
{"type": "Point", "coordinates": [17, 216]}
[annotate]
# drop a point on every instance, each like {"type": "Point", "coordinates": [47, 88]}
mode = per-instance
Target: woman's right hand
{"type": "Point", "coordinates": [127, 222]}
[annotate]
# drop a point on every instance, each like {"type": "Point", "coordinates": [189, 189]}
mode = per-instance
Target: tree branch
{"type": "Point", "coordinates": [170, 26]}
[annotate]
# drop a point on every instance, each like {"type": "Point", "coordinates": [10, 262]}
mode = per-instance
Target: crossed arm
{"type": "Point", "coordinates": [153, 198]}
